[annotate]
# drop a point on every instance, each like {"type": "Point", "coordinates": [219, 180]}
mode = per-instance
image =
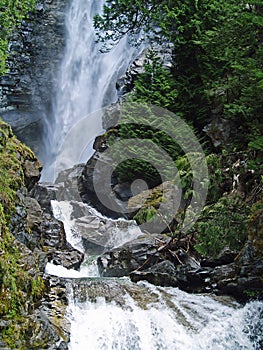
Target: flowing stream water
{"type": "Point", "coordinates": [111, 313]}
{"type": "Point", "coordinates": [114, 313]}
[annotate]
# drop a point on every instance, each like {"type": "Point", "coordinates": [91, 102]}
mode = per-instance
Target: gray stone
{"type": "Point", "coordinates": [26, 90]}
{"type": "Point", "coordinates": [162, 274]}
{"type": "Point", "coordinates": [140, 253]}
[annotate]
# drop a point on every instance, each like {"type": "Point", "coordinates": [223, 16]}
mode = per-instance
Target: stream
{"type": "Point", "coordinates": [114, 313]}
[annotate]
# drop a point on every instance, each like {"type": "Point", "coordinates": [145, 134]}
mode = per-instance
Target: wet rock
{"type": "Point", "coordinates": [112, 290]}
{"type": "Point", "coordinates": [162, 274]}
{"type": "Point", "coordinates": [220, 131]}
{"type": "Point", "coordinates": [164, 199]}
{"type": "Point", "coordinates": [68, 182]}
{"type": "Point", "coordinates": [48, 234]}
{"type": "Point", "coordinates": [140, 253]}
{"type": "Point", "coordinates": [63, 346]}
{"type": "Point", "coordinates": [32, 171]}
{"type": "Point", "coordinates": [110, 118]}
{"type": "Point", "coordinates": [190, 281]}
{"type": "Point", "coordinates": [225, 257]}
{"type": "Point", "coordinates": [125, 84]}
{"type": "Point", "coordinates": [250, 271]}
{"type": "Point", "coordinates": [34, 213]}
{"type": "Point", "coordinates": [54, 307]}
{"type": "Point", "coordinates": [123, 191]}
{"type": "Point", "coordinates": [44, 193]}
{"type": "Point", "coordinates": [93, 188]}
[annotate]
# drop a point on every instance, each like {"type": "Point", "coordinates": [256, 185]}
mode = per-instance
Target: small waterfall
{"type": "Point", "coordinates": [89, 231]}
{"type": "Point", "coordinates": [86, 83]}
{"type": "Point", "coordinates": [118, 316]}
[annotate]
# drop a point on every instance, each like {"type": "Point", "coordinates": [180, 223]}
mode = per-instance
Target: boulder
{"type": "Point", "coordinates": [226, 256]}
{"type": "Point", "coordinates": [51, 315]}
{"type": "Point", "coordinates": [44, 193]}
{"type": "Point", "coordinates": [48, 235]}
{"type": "Point", "coordinates": [138, 254]}
{"type": "Point", "coordinates": [98, 195]}
{"type": "Point", "coordinates": [162, 274]}
{"type": "Point", "coordinates": [32, 171]}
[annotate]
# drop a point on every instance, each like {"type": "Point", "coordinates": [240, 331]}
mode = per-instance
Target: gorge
{"type": "Point", "coordinates": [111, 285]}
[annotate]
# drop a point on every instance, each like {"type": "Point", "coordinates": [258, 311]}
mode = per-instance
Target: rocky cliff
{"type": "Point", "coordinates": [32, 305]}
{"type": "Point", "coordinates": [34, 53]}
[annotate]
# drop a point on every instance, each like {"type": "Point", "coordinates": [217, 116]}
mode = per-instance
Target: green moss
{"type": "Point", "coordinates": [12, 13]}
{"type": "Point", "coordinates": [18, 288]}
{"type": "Point", "coordinates": [151, 199]}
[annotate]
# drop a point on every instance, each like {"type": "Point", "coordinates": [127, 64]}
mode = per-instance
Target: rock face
{"type": "Point", "coordinates": [125, 84]}
{"type": "Point", "coordinates": [39, 302]}
{"type": "Point", "coordinates": [35, 51]}
{"type": "Point", "coordinates": [48, 235]}
{"type": "Point", "coordinates": [97, 196]}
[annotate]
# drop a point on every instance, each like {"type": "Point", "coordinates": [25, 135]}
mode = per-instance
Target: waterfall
{"type": "Point", "coordinates": [90, 232]}
{"type": "Point", "coordinates": [86, 82]}
{"type": "Point", "coordinates": [111, 313]}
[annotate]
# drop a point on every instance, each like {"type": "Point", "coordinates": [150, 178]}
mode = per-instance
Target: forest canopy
{"type": "Point", "coordinates": [217, 67]}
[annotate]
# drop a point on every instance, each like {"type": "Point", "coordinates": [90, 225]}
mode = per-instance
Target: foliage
{"type": "Point", "coordinates": [12, 12]}
{"type": "Point", "coordinates": [216, 73]}
{"type": "Point", "coordinates": [217, 65]}
{"type": "Point", "coordinates": [223, 224]}
{"type": "Point", "coordinates": [254, 294]}
{"type": "Point", "coordinates": [156, 85]}
{"type": "Point", "coordinates": [256, 227]}
{"type": "Point", "coordinates": [257, 143]}
{"type": "Point", "coordinates": [151, 165]}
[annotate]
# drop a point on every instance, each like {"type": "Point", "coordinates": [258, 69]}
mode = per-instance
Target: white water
{"type": "Point", "coordinates": [116, 314]}
{"type": "Point", "coordinates": [175, 321]}
{"type": "Point", "coordinates": [108, 232]}
{"type": "Point", "coordinates": [86, 83]}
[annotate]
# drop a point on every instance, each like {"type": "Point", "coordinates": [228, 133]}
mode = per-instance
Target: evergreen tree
{"type": "Point", "coordinates": [217, 63]}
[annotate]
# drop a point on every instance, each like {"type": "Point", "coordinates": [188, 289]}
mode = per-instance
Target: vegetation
{"type": "Point", "coordinates": [19, 290]}
{"type": "Point", "coordinates": [12, 12]}
{"type": "Point", "coordinates": [217, 65]}
{"type": "Point", "coordinates": [216, 79]}
{"type": "Point", "coordinates": [223, 224]}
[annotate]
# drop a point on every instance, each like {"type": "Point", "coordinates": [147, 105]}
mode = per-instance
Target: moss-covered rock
{"type": "Point", "coordinates": [21, 284]}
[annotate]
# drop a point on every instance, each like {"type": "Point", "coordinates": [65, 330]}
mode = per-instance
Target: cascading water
{"type": "Point", "coordinates": [143, 317]}
{"type": "Point", "coordinates": [86, 83]}
{"type": "Point", "coordinates": [116, 314]}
